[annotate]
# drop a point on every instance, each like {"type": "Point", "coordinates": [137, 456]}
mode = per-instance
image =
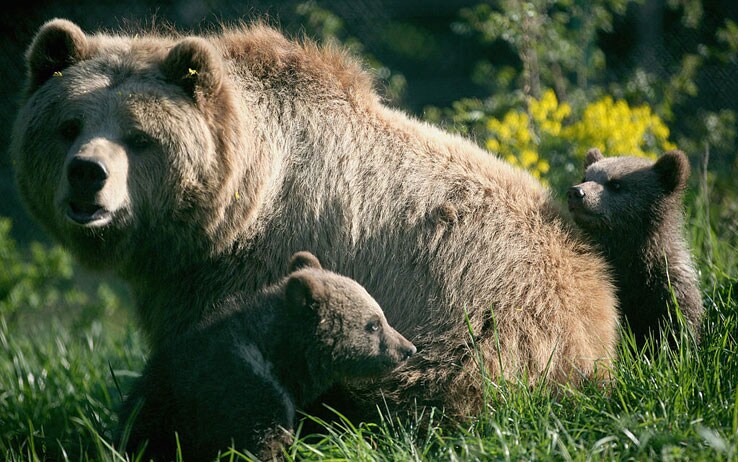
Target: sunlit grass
{"type": "Point", "coordinates": [59, 394]}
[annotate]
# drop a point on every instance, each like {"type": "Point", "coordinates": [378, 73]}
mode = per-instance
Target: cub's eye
{"type": "Point", "coordinates": [614, 185]}
{"type": "Point", "coordinates": [70, 129]}
{"type": "Point", "coordinates": [373, 326]}
{"type": "Point", "coordinates": [139, 141]}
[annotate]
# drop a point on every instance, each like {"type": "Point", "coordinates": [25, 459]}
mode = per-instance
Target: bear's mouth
{"type": "Point", "coordinates": [87, 213]}
{"type": "Point", "coordinates": [584, 217]}
{"type": "Point", "coordinates": [577, 208]}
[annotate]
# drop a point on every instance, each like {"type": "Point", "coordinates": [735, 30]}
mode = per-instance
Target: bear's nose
{"type": "Point", "coordinates": [86, 175]}
{"type": "Point", "coordinates": [409, 351]}
{"type": "Point", "coordinates": [575, 192]}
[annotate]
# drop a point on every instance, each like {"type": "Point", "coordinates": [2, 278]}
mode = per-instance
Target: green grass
{"type": "Point", "coordinates": [58, 393]}
{"type": "Point", "coordinates": [60, 383]}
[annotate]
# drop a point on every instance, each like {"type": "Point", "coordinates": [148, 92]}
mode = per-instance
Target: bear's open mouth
{"type": "Point", "coordinates": [85, 213]}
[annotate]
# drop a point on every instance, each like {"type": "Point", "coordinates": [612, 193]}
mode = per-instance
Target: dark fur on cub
{"type": "Point", "coordinates": [632, 208]}
{"type": "Point", "coordinates": [239, 378]}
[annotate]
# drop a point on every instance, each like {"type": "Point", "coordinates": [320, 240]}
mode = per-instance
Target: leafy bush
{"type": "Point", "coordinates": [554, 91]}
{"type": "Point", "coordinates": [41, 280]}
{"type": "Point", "coordinates": [34, 281]}
{"type": "Point", "coordinates": [546, 133]}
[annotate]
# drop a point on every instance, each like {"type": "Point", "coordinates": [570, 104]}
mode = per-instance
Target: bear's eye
{"type": "Point", "coordinates": [139, 141]}
{"type": "Point", "coordinates": [614, 185]}
{"type": "Point", "coordinates": [70, 129]}
{"type": "Point", "coordinates": [373, 326]}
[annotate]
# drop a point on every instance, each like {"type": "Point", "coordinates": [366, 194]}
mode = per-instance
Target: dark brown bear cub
{"type": "Point", "coordinates": [632, 208]}
{"type": "Point", "coordinates": [238, 379]}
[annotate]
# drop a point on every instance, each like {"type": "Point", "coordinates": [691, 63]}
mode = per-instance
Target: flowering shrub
{"type": "Point", "coordinates": [617, 129]}
{"type": "Point", "coordinates": [548, 133]}
{"type": "Point", "coordinates": [519, 136]}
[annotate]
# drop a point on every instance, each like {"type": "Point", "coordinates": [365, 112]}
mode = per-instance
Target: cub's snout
{"type": "Point", "coordinates": [575, 198]}
{"type": "Point", "coordinates": [575, 193]}
{"type": "Point", "coordinates": [399, 349]}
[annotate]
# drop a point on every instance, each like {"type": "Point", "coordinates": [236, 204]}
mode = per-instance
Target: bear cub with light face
{"type": "Point", "coordinates": [632, 208]}
{"type": "Point", "coordinates": [239, 377]}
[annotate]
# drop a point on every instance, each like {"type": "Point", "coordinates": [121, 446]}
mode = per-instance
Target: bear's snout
{"type": "Point", "coordinates": [86, 176]}
{"type": "Point", "coordinates": [575, 198]}
{"type": "Point", "coordinates": [94, 184]}
{"type": "Point", "coordinates": [407, 351]}
{"type": "Point", "coordinates": [575, 193]}
{"type": "Point", "coordinates": [402, 348]}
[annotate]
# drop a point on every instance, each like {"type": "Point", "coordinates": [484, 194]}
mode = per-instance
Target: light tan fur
{"type": "Point", "coordinates": [273, 146]}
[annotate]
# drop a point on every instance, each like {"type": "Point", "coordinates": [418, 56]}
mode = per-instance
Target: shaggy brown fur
{"type": "Point", "coordinates": [242, 147]}
{"type": "Point", "coordinates": [238, 378]}
{"type": "Point", "coordinates": [632, 208]}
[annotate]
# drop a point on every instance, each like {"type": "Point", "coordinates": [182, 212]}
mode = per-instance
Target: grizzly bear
{"type": "Point", "coordinates": [632, 208]}
{"type": "Point", "coordinates": [239, 377]}
{"type": "Point", "coordinates": [193, 167]}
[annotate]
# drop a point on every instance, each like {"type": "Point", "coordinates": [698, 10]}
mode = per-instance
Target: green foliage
{"type": "Point", "coordinates": [554, 40]}
{"type": "Point", "coordinates": [550, 141]}
{"type": "Point", "coordinates": [728, 37]}
{"type": "Point", "coordinates": [58, 398]}
{"type": "Point", "coordinates": [692, 9]}
{"type": "Point", "coordinates": [36, 281]}
{"type": "Point", "coordinates": [328, 28]}
{"type": "Point", "coordinates": [41, 280]}
{"type": "Point", "coordinates": [558, 97]}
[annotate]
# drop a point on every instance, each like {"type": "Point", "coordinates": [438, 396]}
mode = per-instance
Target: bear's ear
{"type": "Point", "coordinates": [673, 170]}
{"type": "Point", "coordinates": [593, 155]}
{"type": "Point", "coordinates": [57, 45]}
{"type": "Point", "coordinates": [303, 259]}
{"type": "Point", "coordinates": [303, 289]}
{"type": "Point", "coordinates": [196, 66]}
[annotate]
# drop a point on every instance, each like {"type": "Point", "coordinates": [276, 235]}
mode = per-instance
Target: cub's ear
{"type": "Point", "coordinates": [303, 259]}
{"type": "Point", "coordinates": [196, 66]}
{"type": "Point", "coordinates": [592, 156]}
{"type": "Point", "coordinates": [673, 170]}
{"type": "Point", "coordinates": [57, 45]}
{"type": "Point", "coordinates": [303, 289]}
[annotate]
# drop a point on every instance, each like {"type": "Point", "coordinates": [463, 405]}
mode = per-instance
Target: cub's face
{"type": "Point", "coordinates": [625, 192]}
{"type": "Point", "coordinates": [361, 342]}
{"type": "Point", "coordinates": [107, 145]}
{"type": "Point", "coordinates": [351, 333]}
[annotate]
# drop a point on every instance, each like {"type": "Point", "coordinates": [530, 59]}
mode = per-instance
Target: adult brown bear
{"type": "Point", "coordinates": [182, 163]}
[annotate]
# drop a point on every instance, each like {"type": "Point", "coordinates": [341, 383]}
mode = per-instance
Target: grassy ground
{"type": "Point", "coordinates": [61, 382]}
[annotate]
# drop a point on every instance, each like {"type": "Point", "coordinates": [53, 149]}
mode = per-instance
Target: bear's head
{"type": "Point", "coordinates": [352, 338]}
{"type": "Point", "coordinates": [123, 144]}
{"type": "Point", "coordinates": [626, 193]}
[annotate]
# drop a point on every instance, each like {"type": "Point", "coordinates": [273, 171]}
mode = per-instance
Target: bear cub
{"type": "Point", "coordinates": [632, 208]}
{"type": "Point", "coordinates": [238, 378]}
